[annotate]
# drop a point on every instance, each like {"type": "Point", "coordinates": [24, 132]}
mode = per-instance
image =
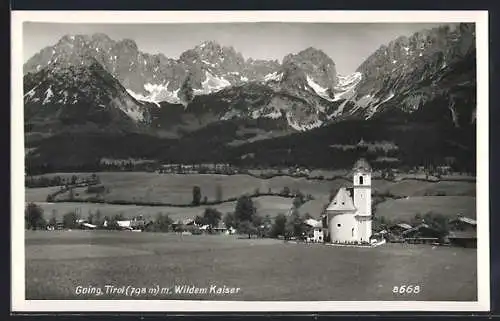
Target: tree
{"type": "Point", "coordinates": [417, 219]}
{"type": "Point", "coordinates": [381, 223]}
{"type": "Point", "coordinates": [285, 191]}
{"type": "Point", "coordinates": [90, 218]}
{"type": "Point", "coordinates": [69, 220]}
{"type": "Point", "coordinates": [266, 224]}
{"type": "Point", "coordinates": [163, 223]}
{"type": "Point", "coordinates": [97, 218]}
{"type": "Point", "coordinates": [199, 220]}
{"type": "Point", "coordinates": [196, 195]}
{"type": "Point", "coordinates": [218, 193]}
{"type": "Point", "coordinates": [294, 225]}
{"type": "Point", "coordinates": [246, 227]}
{"type": "Point", "coordinates": [53, 219]}
{"type": "Point", "coordinates": [212, 217]}
{"type": "Point", "coordinates": [229, 220]}
{"type": "Point", "coordinates": [298, 200]}
{"type": "Point", "coordinates": [71, 194]}
{"type": "Point", "coordinates": [244, 210]}
{"type": "Point", "coordinates": [33, 217]}
{"type": "Point", "coordinates": [438, 222]}
{"type": "Point", "coordinates": [279, 224]}
{"type": "Point", "coordinates": [205, 200]}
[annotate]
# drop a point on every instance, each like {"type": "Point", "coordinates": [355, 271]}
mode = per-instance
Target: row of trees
{"type": "Point", "coordinates": [285, 192]}
{"type": "Point", "coordinates": [57, 180]}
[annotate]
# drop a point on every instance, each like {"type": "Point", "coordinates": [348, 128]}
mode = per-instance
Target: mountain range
{"type": "Point", "coordinates": [89, 87]}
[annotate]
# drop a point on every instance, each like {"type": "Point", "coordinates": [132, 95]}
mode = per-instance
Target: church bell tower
{"type": "Point", "coordinates": [362, 197]}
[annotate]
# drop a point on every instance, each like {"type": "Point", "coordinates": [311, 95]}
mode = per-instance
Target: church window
{"type": "Point", "coordinates": [338, 225]}
{"type": "Point", "coordinates": [352, 231]}
{"type": "Point", "coordinates": [361, 180]}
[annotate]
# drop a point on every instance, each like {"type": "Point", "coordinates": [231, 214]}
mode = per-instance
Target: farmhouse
{"type": "Point", "coordinates": [395, 232]}
{"type": "Point", "coordinates": [348, 217]}
{"type": "Point", "coordinates": [421, 234]}
{"type": "Point", "coordinates": [463, 231]}
{"type": "Point", "coordinates": [314, 231]}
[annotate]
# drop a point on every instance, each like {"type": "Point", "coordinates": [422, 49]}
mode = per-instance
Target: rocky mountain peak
{"type": "Point", "coordinates": [312, 63]}
{"type": "Point", "coordinates": [129, 44]}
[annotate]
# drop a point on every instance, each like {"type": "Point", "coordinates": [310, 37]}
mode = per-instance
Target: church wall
{"type": "Point", "coordinates": [343, 227]}
{"type": "Point", "coordinates": [365, 228]}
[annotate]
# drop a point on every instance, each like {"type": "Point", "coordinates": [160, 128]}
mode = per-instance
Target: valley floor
{"type": "Point", "coordinates": [264, 269]}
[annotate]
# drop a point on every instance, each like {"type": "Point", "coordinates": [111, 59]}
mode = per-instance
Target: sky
{"type": "Point", "coordinates": [348, 44]}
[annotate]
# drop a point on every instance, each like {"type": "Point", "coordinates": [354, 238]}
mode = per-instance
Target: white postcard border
{"type": "Point", "coordinates": [20, 304]}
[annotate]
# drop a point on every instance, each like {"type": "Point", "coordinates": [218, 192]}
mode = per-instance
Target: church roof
{"type": "Point", "coordinates": [362, 164]}
{"type": "Point", "coordinates": [342, 202]}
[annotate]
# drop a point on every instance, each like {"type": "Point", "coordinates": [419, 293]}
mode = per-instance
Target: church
{"type": "Point", "coordinates": [348, 217]}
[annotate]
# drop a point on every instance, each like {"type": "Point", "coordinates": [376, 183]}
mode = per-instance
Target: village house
{"type": "Point", "coordinates": [348, 217]}
{"type": "Point", "coordinates": [463, 231]}
{"type": "Point", "coordinates": [314, 231]}
{"type": "Point", "coordinates": [421, 234]}
{"type": "Point", "coordinates": [395, 232]}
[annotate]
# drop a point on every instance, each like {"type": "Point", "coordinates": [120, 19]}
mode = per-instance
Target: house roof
{"type": "Point", "coordinates": [404, 225]}
{"type": "Point", "coordinates": [465, 220]}
{"type": "Point", "coordinates": [416, 228]}
{"type": "Point", "coordinates": [342, 202]}
{"type": "Point", "coordinates": [313, 223]}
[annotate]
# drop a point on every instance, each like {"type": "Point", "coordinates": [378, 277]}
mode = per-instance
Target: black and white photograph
{"type": "Point", "coordinates": [328, 161]}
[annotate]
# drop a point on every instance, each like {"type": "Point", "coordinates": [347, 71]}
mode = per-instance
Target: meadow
{"type": "Point", "coordinates": [264, 269]}
{"type": "Point", "coordinates": [415, 196]}
{"type": "Point", "coordinates": [405, 209]}
{"type": "Point", "coordinates": [265, 205]}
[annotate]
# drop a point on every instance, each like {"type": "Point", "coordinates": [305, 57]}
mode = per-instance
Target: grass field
{"type": "Point", "coordinates": [177, 189]}
{"type": "Point", "coordinates": [58, 262]}
{"type": "Point", "coordinates": [265, 205]}
{"type": "Point", "coordinates": [405, 209]}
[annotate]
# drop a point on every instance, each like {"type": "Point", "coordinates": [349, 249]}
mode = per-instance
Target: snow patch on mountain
{"type": "Point", "coordinates": [129, 108]}
{"type": "Point", "coordinates": [273, 114]}
{"type": "Point", "coordinates": [346, 86]}
{"type": "Point", "coordinates": [157, 93]}
{"type": "Point", "coordinates": [140, 97]}
{"type": "Point", "coordinates": [211, 84]}
{"type": "Point", "coordinates": [373, 109]}
{"type": "Point", "coordinates": [30, 93]}
{"type": "Point", "coordinates": [320, 91]}
{"type": "Point", "coordinates": [273, 76]}
{"type": "Point", "coordinates": [303, 126]}
{"type": "Point", "coordinates": [48, 95]}
{"type": "Point", "coordinates": [339, 110]}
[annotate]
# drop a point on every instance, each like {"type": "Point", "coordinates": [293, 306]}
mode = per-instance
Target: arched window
{"type": "Point", "coordinates": [361, 180]}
